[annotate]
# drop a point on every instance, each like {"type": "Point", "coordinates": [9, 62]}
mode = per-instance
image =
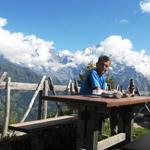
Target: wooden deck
{"type": "Point", "coordinates": [142, 143]}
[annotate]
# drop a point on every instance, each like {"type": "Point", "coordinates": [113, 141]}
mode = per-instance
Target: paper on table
{"type": "Point", "coordinates": [112, 94]}
{"type": "Point", "coordinates": [96, 92]}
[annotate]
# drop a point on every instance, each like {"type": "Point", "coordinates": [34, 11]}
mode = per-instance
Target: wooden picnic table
{"type": "Point", "coordinates": [91, 110]}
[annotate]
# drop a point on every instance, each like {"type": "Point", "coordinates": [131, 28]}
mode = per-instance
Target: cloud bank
{"type": "Point", "coordinates": [3, 22]}
{"type": "Point", "coordinates": [26, 49]}
{"type": "Point", "coordinates": [32, 51]}
{"type": "Point", "coordinates": [145, 6]}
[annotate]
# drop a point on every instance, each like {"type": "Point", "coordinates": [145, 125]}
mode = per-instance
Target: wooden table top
{"type": "Point", "coordinates": [92, 99]}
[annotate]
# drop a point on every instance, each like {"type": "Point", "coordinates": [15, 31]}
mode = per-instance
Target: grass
{"type": "Point", "coordinates": [140, 131]}
{"type": "Point", "coordinates": [137, 132]}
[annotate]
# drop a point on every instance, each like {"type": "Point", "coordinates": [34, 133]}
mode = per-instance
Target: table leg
{"type": "Point", "coordinates": [128, 123]}
{"type": "Point", "coordinates": [125, 122]}
{"type": "Point", "coordinates": [121, 120]}
{"type": "Point", "coordinates": [114, 120]}
{"type": "Point", "coordinates": [92, 131]}
{"type": "Point", "coordinates": [88, 128]}
{"type": "Point", "coordinates": [81, 127]}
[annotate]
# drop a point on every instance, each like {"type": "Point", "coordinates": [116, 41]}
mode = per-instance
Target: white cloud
{"type": "Point", "coordinates": [33, 51]}
{"type": "Point", "coordinates": [124, 21]}
{"type": "Point", "coordinates": [65, 53]}
{"type": "Point", "coordinates": [122, 51]}
{"type": "Point", "coordinates": [145, 6]}
{"type": "Point", "coordinates": [19, 48]}
{"type": "Point", "coordinates": [3, 22]}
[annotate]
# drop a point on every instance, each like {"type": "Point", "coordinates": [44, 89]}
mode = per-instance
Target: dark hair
{"type": "Point", "coordinates": [103, 58]}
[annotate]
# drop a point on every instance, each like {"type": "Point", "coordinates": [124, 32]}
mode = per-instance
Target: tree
{"type": "Point", "coordinates": [110, 82]}
{"type": "Point", "coordinates": [84, 71]}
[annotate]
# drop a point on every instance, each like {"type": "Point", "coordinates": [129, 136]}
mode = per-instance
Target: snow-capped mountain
{"type": "Point", "coordinates": [67, 67]}
{"type": "Point", "coordinates": [120, 73]}
{"type": "Point", "coordinates": [40, 56]}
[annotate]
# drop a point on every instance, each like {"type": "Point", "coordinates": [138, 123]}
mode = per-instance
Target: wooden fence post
{"type": "Point", "coordinates": [51, 87]}
{"type": "Point", "coordinates": [45, 102]}
{"type": "Point", "coordinates": [40, 105]}
{"type": "Point", "coordinates": [72, 90]}
{"type": "Point", "coordinates": [33, 98]}
{"type": "Point", "coordinates": [76, 87]}
{"type": "Point", "coordinates": [7, 108]}
{"type": "Point", "coordinates": [68, 86]}
{"type": "Point", "coordinates": [3, 76]}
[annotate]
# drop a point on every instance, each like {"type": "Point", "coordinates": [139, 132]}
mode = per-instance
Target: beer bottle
{"type": "Point", "coordinates": [131, 88]}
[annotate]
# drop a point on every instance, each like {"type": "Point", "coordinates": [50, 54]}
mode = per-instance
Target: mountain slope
{"type": "Point", "coordinates": [17, 72]}
{"type": "Point", "coordinates": [122, 74]}
{"type": "Point", "coordinates": [19, 99]}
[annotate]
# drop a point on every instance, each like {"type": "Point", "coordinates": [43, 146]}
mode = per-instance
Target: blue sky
{"type": "Point", "coordinates": [77, 24]}
{"type": "Point", "coordinates": [41, 33]}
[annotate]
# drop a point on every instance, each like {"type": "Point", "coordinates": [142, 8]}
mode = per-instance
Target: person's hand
{"type": "Point", "coordinates": [97, 92]}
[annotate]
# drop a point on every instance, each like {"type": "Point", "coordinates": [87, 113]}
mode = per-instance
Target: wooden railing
{"type": "Point", "coordinates": [40, 89]}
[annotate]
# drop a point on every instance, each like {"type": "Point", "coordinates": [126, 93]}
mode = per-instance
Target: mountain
{"type": "Point", "coordinates": [37, 58]}
{"type": "Point", "coordinates": [121, 74]}
{"type": "Point", "coordinates": [18, 73]}
{"type": "Point", "coordinates": [19, 99]}
{"type": "Point", "coordinates": [40, 57]}
{"type": "Point", "coordinates": [65, 65]}
{"type": "Point", "coordinates": [68, 69]}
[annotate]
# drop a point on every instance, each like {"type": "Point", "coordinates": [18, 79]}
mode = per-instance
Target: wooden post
{"type": "Point", "coordinates": [45, 102]}
{"type": "Point", "coordinates": [92, 129]}
{"type": "Point", "coordinates": [115, 120]}
{"type": "Point", "coordinates": [68, 86]}
{"type": "Point", "coordinates": [125, 123]}
{"type": "Point", "coordinates": [40, 105]}
{"type": "Point", "coordinates": [3, 76]}
{"type": "Point", "coordinates": [128, 123]}
{"type": "Point", "coordinates": [33, 98]}
{"type": "Point", "coordinates": [7, 108]}
{"type": "Point", "coordinates": [81, 127]}
{"type": "Point", "coordinates": [51, 86]}
{"type": "Point", "coordinates": [72, 90]}
{"type": "Point", "coordinates": [76, 87]}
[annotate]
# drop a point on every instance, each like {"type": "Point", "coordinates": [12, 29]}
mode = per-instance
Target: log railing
{"type": "Point", "coordinates": [40, 89]}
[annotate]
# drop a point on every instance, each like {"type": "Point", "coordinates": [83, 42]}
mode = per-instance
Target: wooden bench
{"type": "Point", "coordinates": [142, 143]}
{"type": "Point", "coordinates": [38, 125]}
{"type": "Point", "coordinates": [34, 128]}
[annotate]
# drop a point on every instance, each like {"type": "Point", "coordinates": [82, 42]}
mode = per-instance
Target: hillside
{"type": "Point", "coordinates": [17, 72]}
{"type": "Point", "coordinates": [120, 73]}
{"type": "Point", "coordinates": [19, 99]}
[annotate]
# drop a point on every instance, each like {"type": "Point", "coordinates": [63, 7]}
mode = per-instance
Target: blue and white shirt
{"type": "Point", "coordinates": [92, 81]}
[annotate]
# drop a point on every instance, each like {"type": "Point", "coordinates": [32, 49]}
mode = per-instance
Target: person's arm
{"type": "Point", "coordinates": [95, 84]}
{"type": "Point", "coordinates": [99, 90]}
